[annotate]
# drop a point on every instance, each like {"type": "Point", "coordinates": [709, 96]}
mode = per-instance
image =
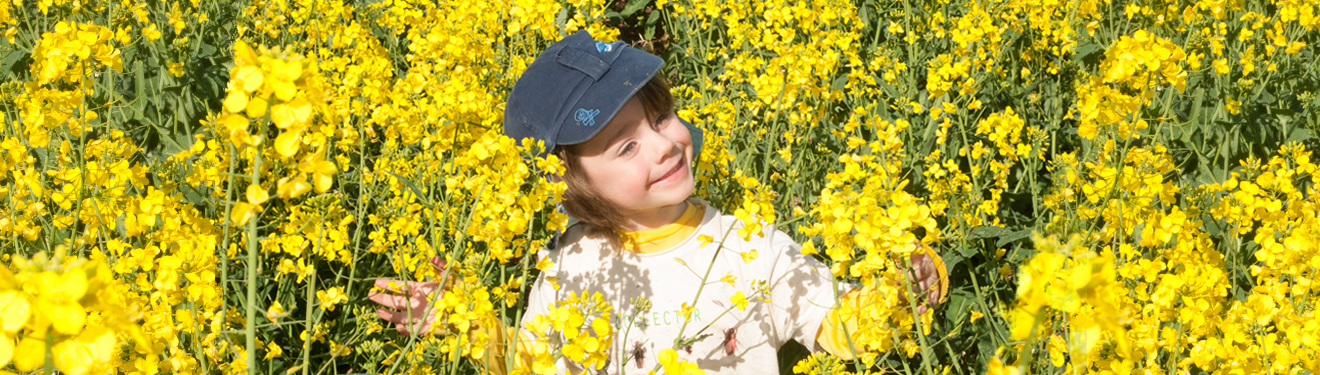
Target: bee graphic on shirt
{"type": "Point", "coordinates": [730, 340]}
{"type": "Point", "coordinates": [639, 354]}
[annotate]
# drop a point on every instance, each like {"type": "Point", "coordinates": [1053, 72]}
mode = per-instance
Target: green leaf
{"type": "Point", "coordinates": [1085, 51]}
{"type": "Point", "coordinates": [1299, 135]}
{"type": "Point", "coordinates": [651, 22]}
{"type": "Point", "coordinates": [14, 56]}
{"type": "Point", "coordinates": [634, 6]}
{"type": "Point", "coordinates": [1266, 98]}
{"type": "Point", "coordinates": [1013, 237]}
{"type": "Point", "coordinates": [988, 231]}
{"type": "Point", "coordinates": [960, 305]}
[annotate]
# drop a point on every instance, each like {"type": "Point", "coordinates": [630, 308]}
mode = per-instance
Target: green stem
{"type": "Point", "coordinates": [251, 276]}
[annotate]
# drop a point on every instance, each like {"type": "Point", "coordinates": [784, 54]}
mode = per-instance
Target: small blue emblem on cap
{"type": "Point", "coordinates": [603, 47]}
{"type": "Point", "coordinates": [585, 116]}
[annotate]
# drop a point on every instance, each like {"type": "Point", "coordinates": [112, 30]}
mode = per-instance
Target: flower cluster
{"type": "Point", "coordinates": [578, 328]}
{"type": "Point", "coordinates": [65, 305]}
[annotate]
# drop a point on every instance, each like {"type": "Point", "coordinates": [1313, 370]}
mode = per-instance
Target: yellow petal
{"type": "Point", "coordinates": [284, 90]}
{"type": "Point", "coordinates": [29, 354]}
{"type": "Point", "coordinates": [66, 287]}
{"type": "Point", "coordinates": [256, 107]}
{"type": "Point", "coordinates": [241, 138]}
{"type": "Point", "coordinates": [6, 349]}
{"type": "Point", "coordinates": [257, 195]}
{"type": "Point", "coordinates": [14, 311]}
{"type": "Point", "coordinates": [240, 213]}
{"type": "Point", "coordinates": [67, 318]}
{"type": "Point", "coordinates": [302, 111]}
{"type": "Point", "coordinates": [282, 115]}
{"type": "Point", "coordinates": [236, 101]}
{"type": "Point", "coordinates": [323, 182]}
{"type": "Point", "coordinates": [243, 54]}
{"type": "Point", "coordinates": [293, 187]}
{"type": "Point", "coordinates": [71, 357]}
{"type": "Point", "coordinates": [287, 143]}
{"type": "Point", "coordinates": [250, 77]}
{"type": "Point", "coordinates": [235, 122]}
{"type": "Point", "coordinates": [287, 70]}
{"type": "Point", "coordinates": [315, 165]}
{"type": "Point", "coordinates": [100, 342]}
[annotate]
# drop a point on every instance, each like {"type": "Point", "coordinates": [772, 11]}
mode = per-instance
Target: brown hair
{"type": "Point", "coordinates": [582, 200]}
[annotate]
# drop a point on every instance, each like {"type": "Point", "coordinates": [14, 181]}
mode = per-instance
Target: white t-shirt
{"type": "Point", "coordinates": [800, 292]}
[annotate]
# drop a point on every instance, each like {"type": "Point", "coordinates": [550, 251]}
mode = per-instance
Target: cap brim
{"type": "Point", "coordinates": [633, 69]}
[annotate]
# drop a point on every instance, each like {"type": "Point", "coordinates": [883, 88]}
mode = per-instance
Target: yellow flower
{"type": "Point", "coordinates": [704, 240]}
{"type": "Point", "coordinates": [256, 195]}
{"type": "Point", "coordinates": [739, 300]}
{"type": "Point", "coordinates": [676, 366]}
{"type": "Point", "coordinates": [322, 172]}
{"type": "Point", "coordinates": [749, 256]}
{"type": "Point", "coordinates": [292, 187]}
{"type": "Point", "coordinates": [273, 351]}
{"type": "Point", "coordinates": [241, 213]}
{"type": "Point", "coordinates": [729, 278]}
{"type": "Point", "coordinates": [1057, 349]}
{"type": "Point", "coordinates": [275, 312]}
{"type": "Point", "coordinates": [59, 295]}
{"type": "Point", "coordinates": [151, 33]}
{"type": "Point", "coordinates": [331, 297]}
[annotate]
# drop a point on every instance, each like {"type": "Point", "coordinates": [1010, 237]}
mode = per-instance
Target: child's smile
{"type": "Point", "coordinates": [641, 164]}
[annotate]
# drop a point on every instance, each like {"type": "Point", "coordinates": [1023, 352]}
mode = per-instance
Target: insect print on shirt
{"type": "Point", "coordinates": [730, 340]}
{"type": "Point", "coordinates": [639, 354]}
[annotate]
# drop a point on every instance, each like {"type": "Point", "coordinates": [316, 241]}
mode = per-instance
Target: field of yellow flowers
{"type": "Point", "coordinates": [207, 187]}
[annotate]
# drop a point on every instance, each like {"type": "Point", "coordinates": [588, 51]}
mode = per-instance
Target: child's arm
{"type": "Point", "coordinates": [928, 274]}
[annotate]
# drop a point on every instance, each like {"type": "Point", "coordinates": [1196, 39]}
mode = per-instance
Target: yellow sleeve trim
{"type": "Point", "coordinates": [939, 268]}
{"type": "Point", "coordinates": [832, 335]}
{"type": "Point", "coordinates": [497, 349]}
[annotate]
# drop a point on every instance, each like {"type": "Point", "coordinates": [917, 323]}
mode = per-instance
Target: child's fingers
{"type": "Point", "coordinates": [396, 317]}
{"type": "Point", "coordinates": [933, 292]}
{"type": "Point", "coordinates": [393, 301]}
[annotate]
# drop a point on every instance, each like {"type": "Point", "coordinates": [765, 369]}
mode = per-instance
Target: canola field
{"type": "Point", "coordinates": [211, 187]}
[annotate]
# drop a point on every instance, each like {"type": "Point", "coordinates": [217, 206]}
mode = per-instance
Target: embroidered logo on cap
{"type": "Point", "coordinates": [603, 47]}
{"type": "Point", "coordinates": [585, 116]}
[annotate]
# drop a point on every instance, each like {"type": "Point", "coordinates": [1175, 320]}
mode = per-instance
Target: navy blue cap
{"type": "Point", "coordinates": [574, 88]}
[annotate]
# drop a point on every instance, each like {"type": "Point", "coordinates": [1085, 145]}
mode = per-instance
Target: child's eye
{"type": "Point", "coordinates": [660, 121]}
{"type": "Point", "coordinates": [627, 148]}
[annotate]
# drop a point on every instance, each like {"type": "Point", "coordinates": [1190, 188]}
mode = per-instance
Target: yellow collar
{"type": "Point", "coordinates": [666, 237]}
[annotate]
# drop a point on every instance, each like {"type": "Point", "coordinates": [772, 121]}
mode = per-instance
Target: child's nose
{"type": "Point", "coordinates": [663, 146]}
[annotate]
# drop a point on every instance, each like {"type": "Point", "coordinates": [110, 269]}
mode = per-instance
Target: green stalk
{"type": "Point", "coordinates": [250, 329]}
{"type": "Point", "coordinates": [307, 323]}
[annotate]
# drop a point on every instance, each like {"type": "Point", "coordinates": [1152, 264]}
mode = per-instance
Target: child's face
{"type": "Point", "coordinates": [640, 164]}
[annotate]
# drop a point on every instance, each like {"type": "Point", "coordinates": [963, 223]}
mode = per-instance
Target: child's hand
{"type": "Point", "coordinates": [926, 276]}
{"type": "Point", "coordinates": [408, 303]}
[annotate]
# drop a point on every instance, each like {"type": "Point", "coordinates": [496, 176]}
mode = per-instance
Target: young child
{"type": "Point", "coordinates": [605, 110]}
